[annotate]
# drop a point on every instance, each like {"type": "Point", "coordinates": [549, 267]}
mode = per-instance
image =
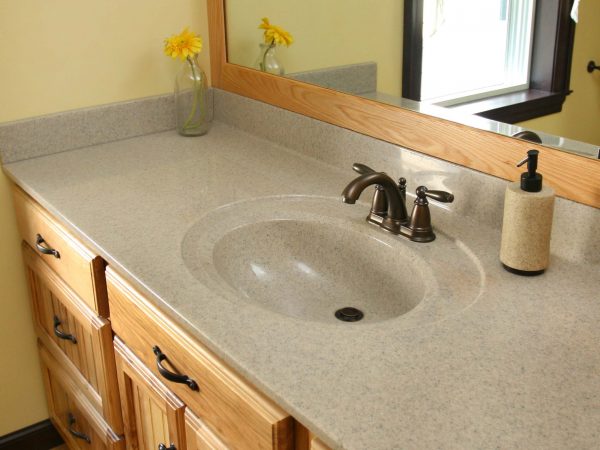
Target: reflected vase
{"type": "Point", "coordinates": [267, 60]}
{"type": "Point", "coordinates": [191, 99]}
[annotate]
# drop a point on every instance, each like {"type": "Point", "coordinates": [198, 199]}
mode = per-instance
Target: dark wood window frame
{"type": "Point", "coordinates": [554, 34]}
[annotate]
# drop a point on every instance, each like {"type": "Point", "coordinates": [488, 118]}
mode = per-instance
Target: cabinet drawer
{"type": "Point", "coordinates": [198, 436]}
{"type": "Point", "coordinates": [70, 259]}
{"type": "Point", "coordinates": [79, 424]}
{"type": "Point", "coordinates": [79, 339]}
{"type": "Point", "coordinates": [240, 415]}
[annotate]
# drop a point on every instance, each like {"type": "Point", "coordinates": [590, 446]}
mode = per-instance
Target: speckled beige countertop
{"type": "Point", "coordinates": [517, 367]}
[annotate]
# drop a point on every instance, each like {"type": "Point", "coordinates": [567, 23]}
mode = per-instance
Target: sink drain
{"type": "Point", "coordinates": [349, 314]}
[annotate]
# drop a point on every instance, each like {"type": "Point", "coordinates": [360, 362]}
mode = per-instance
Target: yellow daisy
{"type": "Point", "coordinates": [275, 34]}
{"type": "Point", "coordinates": [184, 44]}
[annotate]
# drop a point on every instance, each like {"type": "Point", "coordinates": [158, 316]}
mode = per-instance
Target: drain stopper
{"type": "Point", "coordinates": [349, 314]}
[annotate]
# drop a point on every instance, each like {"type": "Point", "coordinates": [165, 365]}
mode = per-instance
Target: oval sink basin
{"type": "Point", "coordinates": [308, 257]}
{"type": "Point", "coordinates": [309, 270]}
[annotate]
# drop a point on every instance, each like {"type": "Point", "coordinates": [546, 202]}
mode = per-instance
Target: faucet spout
{"type": "Point", "coordinates": [396, 210]}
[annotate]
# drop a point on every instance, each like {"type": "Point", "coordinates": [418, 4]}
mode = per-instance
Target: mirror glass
{"type": "Point", "coordinates": [356, 47]}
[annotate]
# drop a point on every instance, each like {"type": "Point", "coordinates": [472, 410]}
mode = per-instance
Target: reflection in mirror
{"type": "Point", "coordinates": [497, 62]}
{"type": "Point", "coordinates": [354, 47]}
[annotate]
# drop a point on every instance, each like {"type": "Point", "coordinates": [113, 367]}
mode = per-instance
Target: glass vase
{"type": "Point", "coordinates": [191, 99]}
{"type": "Point", "coordinates": [267, 60]}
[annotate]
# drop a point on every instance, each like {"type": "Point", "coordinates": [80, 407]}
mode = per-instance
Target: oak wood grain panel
{"type": "Point", "coordinates": [90, 361]}
{"type": "Point", "coordinates": [64, 398]}
{"type": "Point", "coordinates": [573, 177]}
{"type": "Point", "coordinates": [79, 267]}
{"type": "Point", "coordinates": [216, 17]}
{"type": "Point", "coordinates": [240, 415]}
{"type": "Point", "coordinates": [153, 415]}
{"type": "Point", "coordinates": [199, 436]}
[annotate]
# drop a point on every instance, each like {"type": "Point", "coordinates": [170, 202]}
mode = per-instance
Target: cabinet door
{"type": "Point", "coordinates": [75, 419]}
{"type": "Point", "coordinates": [153, 416]}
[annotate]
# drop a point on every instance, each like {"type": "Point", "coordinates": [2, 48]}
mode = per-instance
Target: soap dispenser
{"type": "Point", "coordinates": [527, 224]}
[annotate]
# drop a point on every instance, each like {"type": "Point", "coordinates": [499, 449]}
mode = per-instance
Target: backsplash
{"type": "Point", "coordinates": [45, 135]}
{"type": "Point", "coordinates": [576, 227]}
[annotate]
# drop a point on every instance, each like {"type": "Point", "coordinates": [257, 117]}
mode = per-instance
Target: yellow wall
{"type": "Point", "coordinates": [55, 56]}
{"type": "Point", "coordinates": [361, 32]}
{"type": "Point", "coordinates": [580, 116]}
{"type": "Point", "coordinates": [21, 395]}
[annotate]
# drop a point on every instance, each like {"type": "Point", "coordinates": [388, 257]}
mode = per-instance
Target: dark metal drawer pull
{"type": "Point", "coordinates": [77, 434]}
{"type": "Point", "coordinates": [39, 240]}
{"type": "Point", "coordinates": [61, 334]}
{"type": "Point", "coordinates": [174, 377]}
{"type": "Point", "coordinates": [164, 447]}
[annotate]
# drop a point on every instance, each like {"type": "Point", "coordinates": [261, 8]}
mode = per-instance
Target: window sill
{"type": "Point", "coordinates": [516, 106]}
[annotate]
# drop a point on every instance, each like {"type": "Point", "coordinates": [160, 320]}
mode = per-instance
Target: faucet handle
{"type": "Point", "coordinates": [440, 196]}
{"type": "Point", "coordinates": [361, 168]}
{"type": "Point", "coordinates": [420, 219]}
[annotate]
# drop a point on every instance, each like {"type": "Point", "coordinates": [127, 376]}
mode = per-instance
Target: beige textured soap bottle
{"type": "Point", "coordinates": [527, 224]}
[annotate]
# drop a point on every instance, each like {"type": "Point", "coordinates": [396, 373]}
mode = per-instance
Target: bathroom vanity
{"type": "Point", "coordinates": [184, 291]}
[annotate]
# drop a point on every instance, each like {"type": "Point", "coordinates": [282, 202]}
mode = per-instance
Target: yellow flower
{"type": "Point", "coordinates": [184, 44]}
{"type": "Point", "coordinates": [275, 34]}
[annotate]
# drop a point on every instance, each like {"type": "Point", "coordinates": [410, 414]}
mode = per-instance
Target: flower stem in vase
{"type": "Point", "coordinates": [263, 64]}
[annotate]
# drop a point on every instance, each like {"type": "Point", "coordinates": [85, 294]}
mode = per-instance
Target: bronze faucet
{"type": "Point", "coordinates": [388, 209]}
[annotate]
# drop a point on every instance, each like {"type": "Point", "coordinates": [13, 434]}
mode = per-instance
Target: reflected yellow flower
{"type": "Point", "coordinates": [187, 43]}
{"type": "Point", "coordinates": [275, 34]}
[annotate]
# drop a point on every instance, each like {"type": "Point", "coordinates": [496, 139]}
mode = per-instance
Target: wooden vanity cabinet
{"type": "Point", "coordinates": [233, 410]}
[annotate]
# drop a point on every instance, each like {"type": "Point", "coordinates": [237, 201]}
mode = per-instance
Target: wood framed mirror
{"type": "Point", "coordinates": [572, 176]}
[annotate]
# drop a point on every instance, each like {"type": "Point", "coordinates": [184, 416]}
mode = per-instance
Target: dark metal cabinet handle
{"type": "Point", "coordinates": [39, 240]}
{"type": "Point", "coordinates": [77, 434]}
{"type": "Point", "coordinates": [61, 334]}
{"type": "Point", "coordinates": [164, 447]}
{"type": "Point", "coordinates": [174, 377]}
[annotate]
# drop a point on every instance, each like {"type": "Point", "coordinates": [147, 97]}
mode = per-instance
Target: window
{"type": "Point", "coordinates": [502, 59]}
{"type": "Point", "coordinates": [474, 48]}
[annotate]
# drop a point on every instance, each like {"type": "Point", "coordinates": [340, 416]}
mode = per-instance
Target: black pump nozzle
{"type": "Point", "coordinates": [531, 181]}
